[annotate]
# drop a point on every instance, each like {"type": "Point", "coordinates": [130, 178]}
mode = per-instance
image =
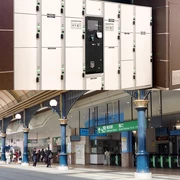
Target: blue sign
{"type": "Point", "coordinates": [174, 133]}
{"type": "Point", "coordinates": [84, 131]}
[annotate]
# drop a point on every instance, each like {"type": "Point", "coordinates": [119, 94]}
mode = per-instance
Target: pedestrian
{"type": "Point", "coordinates": [48, 157]}
{"type": "Point", "coordinates": [42, 155]}
{"type": "Point", "coordinates": [38, 156]}
{"type": "Point", "coordinates": [8, 157]}
{"type": "Point", "coordinates": [34, 157]}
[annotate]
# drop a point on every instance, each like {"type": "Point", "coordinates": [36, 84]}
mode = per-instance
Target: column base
{"type": "Point", "coordinates": [63, 168]}
{"type": "Point", "coordinates": [145, 176]}
{"type": "Point", "coordinates": [25, 164]}
{"type": "Point", "coordinates": [2, 162]}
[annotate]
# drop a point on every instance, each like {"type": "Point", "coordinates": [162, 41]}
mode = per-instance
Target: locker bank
{"type": "Point", "coordinates": [75, 44]}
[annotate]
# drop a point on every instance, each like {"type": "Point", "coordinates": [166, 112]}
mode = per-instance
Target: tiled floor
{"type": "Point", "coordinates": [98, 172]}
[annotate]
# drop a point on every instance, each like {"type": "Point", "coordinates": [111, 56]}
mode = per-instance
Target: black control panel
{"type": "Point", "coordinates": [94, 45]}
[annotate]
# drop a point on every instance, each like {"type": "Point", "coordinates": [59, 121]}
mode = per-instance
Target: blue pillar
{"type": "Point", "coordinates": [25, 159]}
{"type": "Point", "coordinates": [3, 154]}
{"type": "Point", "coordinates": [142, 155]}
{"type": "Point", "coordinates": [63, 154]}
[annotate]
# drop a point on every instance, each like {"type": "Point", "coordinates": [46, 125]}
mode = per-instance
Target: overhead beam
{"type": "Point", "coordinates": [29, 102]}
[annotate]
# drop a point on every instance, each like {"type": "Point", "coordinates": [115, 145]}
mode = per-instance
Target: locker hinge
{"type": "Point", "coordinates": [151, 23]}
{"type": "Point", "coordinates": [37, 35]}
{"type": "Point", "coordinates": [62, 36]}
{"type": "Point", "coordinates": [38, 7]}
{"type": "Point", "coordinates": [62, 10]}
{"type": "Point", "coordinates": [134, 76]}
{"type": "Point", "coordinates": [37, 79]}
{"type": "Point", "coordinates": [151, 59]}
{"type": "Point", "coordinates": [62, 77]}
{"type": "Point", "coordinates": [134, 22]}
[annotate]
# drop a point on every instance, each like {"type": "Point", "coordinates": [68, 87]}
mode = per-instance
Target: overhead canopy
{"type": "Point", "coordinates": [9, 98]}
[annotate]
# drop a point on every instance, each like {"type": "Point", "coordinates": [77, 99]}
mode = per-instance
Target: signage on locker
{"type": "Point", "coordinates": [94, 45]}
{"type": "Point", "coordinates": [75, 24]}
{"type": "Point", "coordinates": [109, 27]}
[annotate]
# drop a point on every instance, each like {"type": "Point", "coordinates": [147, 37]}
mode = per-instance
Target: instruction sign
{"type": "Point", "coordinates": [125, 126]}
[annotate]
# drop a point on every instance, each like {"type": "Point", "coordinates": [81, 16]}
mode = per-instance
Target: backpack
{"type": "Point", "coordinates": [50, 155]}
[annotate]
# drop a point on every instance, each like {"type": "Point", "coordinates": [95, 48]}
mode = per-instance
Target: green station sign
{"type": "Point", "coordinates": [125, 126]}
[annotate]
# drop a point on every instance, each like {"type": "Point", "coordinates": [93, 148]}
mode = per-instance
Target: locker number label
{"type": "Point", "coordinates": [76, 25]}
{"type": "Point", "coordinates": [109, 27]}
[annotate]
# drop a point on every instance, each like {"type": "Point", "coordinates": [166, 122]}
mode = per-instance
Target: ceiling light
{"type": "Point", "coordinates": [53, 103]}
{"type": "Point", "coordinates": [18, 116]}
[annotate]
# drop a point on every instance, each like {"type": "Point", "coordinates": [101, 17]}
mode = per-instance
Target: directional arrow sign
{"type": "Point", "coordinates": [125, 126]}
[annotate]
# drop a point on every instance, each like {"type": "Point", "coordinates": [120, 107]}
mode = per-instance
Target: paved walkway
{"type": "Point", "coordinates": [88, 172]}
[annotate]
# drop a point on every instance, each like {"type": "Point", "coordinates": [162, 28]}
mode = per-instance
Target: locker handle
{"type": "Point", "coordinates": [83, 36]}
{"type": "Point", "coordinates": [62, 11]}
{"type": "Point", "coordinates": [118, 15]}
{"type": "Point", "coordinates": [37, 35]}
{"type": "Point", "coordinates": [134, 22]}
{"type": "Point", "coordinates": [62, 36]}
{"type": "Point", "coordinates": [37, 79]}
{"type": "Point", "coordinates": [83, 75]}
{"type": "Point", "coordinates": [83, 13]}
{"type": "Point", "coordinates": [62, 77]}
{"type": "Point", "coordinates": [151, 23]}
{"type": "Point", "coordinates": [118, 37]}
{"type": "Point", "coordinates": [134, 49]}
{"type": "Point", "coordinates": [102, 88]}
{"type": "Point", "coordinates": [37, 8]}
{"type": "Point", "coordinates": [119, 72]}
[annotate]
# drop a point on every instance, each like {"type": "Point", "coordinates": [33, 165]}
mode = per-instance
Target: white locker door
{"type": "Point", "coordinates": [127, 80]}
{"type": "Point", "coordinates": [93, 83]}
{"type": "Point", "coordinates": [111, 76]}
{"type": "Point", "coordinates": [111, 34]}
{"type": "Point", "coordinates": [74, 32]}
{"type": "Point", "coordinates": [111, 11]}
{"type": "Point", "coordinates": [143, 64]}
{"type": "Point", "coordinates": [74, 8]}
{"type": "Point", "coordinates": [74, 69]}
{"type": "Point", "coordinates": [25, 6]}
{"type": "Point", "coordinates": [51, 69]}
{"type": "Point", "coordinates": [127, 42]}
{"type": "Point", "coordinates": [93, 7]}
{"type": "Point", "coordinates": [143, 19]}
{"type": "Point", "coordinates": [51, 7]}
{"type": "Point", "coordinates": [127, 15]}
{"type": "Point", "coordinates": [25, 30]}
{"type": "Point", "coordinates": [25, 65]}
{"type": "Point", "coordinates": [51, 32]}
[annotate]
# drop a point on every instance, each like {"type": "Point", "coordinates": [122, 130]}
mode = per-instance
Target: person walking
{"type": "Point", "coordinates": [48, 157]}
{"type": "Point", "coordinates": [34, 157]}
{"type": "Point", "coordinates": [8, 157]}
{"type": "Point", "coordinates": [42, 155]}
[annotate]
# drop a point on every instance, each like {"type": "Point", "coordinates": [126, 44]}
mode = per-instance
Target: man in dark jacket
{"type": "Point", "coordinates": [34, 157]}
{"type": "Point", "coordinates": [48, 157]}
